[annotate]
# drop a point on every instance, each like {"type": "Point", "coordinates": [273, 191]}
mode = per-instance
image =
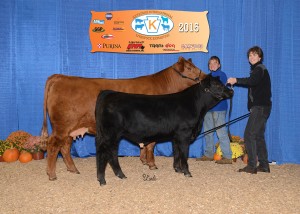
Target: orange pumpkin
{"type": "Point", "coordinates": [217, 157]}
{"type": "Point", "coordinates": [11, 155]}
{"type": "Point", "coordinates": [25, 157]}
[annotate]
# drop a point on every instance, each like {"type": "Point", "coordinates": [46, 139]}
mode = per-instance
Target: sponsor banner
{"type": "Point", "coordinates": [149, 31]}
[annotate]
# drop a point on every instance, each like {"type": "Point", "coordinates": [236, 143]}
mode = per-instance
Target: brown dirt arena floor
{"type": "Point", "coordinates": [214, 188]}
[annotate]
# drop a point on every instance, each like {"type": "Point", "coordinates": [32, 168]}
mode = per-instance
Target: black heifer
{"type": "Point", "coordinates": [174, 117]}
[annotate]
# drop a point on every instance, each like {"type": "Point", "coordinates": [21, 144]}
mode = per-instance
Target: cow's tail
{"type": "Point", "coordinates": [44, 133]}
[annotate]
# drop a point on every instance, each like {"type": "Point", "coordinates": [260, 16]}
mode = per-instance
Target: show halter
{"type": "Point", "coordinates": [197, 79]}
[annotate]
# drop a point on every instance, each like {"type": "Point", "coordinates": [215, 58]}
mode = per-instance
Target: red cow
{"type": "Point", "coordinates": [70, 103]}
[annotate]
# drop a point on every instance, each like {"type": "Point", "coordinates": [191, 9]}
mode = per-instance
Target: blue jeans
{"type": "Point", "coordinates": [211, 120]}
{"type": "Point", "coordinates": [255, 136]}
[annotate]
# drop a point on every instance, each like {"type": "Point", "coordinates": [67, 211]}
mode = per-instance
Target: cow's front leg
{"type": "Point", "coordinates": [66, 153]}
{"type": "Point", "coordinates": [150, 155]}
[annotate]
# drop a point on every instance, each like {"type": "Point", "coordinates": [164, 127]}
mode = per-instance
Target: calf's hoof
{"type": "Point", "coordinates": [188, 174]}
{"type": "Point", "coordinates": [178, 170]}
{"type": "Point", "coordinates": [122, 177]}
{"type": "Point", "coordinates": [102, 182]}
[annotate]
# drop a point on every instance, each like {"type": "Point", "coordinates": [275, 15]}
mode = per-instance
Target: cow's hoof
{"type": "Point", "coordinates": [153, 167]}
{"type": "Point", "coordinates": [74, 171]}
{"type": "Point", "coordinates": [144, 162]}
{"type": "Point", "coordinates": [52, 179]}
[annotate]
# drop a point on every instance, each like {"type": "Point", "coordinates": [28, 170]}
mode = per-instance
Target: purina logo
{"type": "Point", "coordinates": [152, 25]}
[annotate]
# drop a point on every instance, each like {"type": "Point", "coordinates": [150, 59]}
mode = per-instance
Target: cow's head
{"type": "Point", "coordinates": [216, 88]}
{"type": "Point", "coordinates": [187, 69]}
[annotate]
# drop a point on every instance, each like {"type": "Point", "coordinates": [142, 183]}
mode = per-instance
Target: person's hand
{"type": "Point", "coordinates": [231, 81]}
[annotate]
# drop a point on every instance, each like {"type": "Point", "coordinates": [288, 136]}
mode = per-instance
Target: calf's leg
{"type": "Point", "coordinates": [176, 163]}
{"type": "Point", "coordinates": [114, 161]}
{"type": "Point", "coordinates": [101, 162]}
{"type": "Point", "coordinates": [183, 157]}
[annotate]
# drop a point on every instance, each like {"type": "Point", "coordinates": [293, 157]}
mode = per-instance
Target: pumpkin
{"type": "Point", "coordinates": [11, 155]}
{"type": "Point", "coordinates": [217, 157]}
{"type": "Point", "coordinates": [25, 157]}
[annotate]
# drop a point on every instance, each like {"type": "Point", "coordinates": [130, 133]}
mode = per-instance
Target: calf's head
{"type": "Point", "coordinates": [215, 87]}
{"type": "Point", "coordinates": [187, 69]}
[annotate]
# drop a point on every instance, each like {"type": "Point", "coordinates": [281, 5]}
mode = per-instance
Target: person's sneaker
{"type": "Point", "coordinates": [224, 161]}
{"type": "Point", "coordinates": [248, 169]}
{"type": "Point", "coordinates": [204, 158]}
{"type": "Point", "coordinates": [263, 169]}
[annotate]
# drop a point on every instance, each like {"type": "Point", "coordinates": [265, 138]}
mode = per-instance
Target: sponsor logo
{"type": "Point", "coordinates": [118, 22]}
{"type": "Point", "coordinates": [97, 21]}
{"type": "Point", "coordinates": [191, 46]}
{"type": "Point", "coordinates": [135, 47]}
{"type": "Point", "coordinates": [152, 24]}
{"type": "Point", "coordinates": [118, 28]}
{"type": "Point", "coordinates": [108, 16]}
{"type": "Point", "coordinates": [98, 29]}
{"type": "Point", "coordinates": [169, 47]}
{"type": "Point", "coordinates": [109, 46]}
{"type": "Point", "coordinates": [107, 36]}
{"type": "Point", "coordinates": [156, 45]}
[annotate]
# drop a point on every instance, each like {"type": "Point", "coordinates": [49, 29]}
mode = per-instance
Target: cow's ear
{"type": "Point", "coordinates": [180, 59]}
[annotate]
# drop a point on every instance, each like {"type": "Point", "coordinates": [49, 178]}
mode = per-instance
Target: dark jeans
{"type": "Point", "coordinates": [254, 136]}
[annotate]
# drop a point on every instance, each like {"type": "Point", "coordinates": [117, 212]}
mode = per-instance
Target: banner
{"type": "Point", "coordinates": [149, 31]}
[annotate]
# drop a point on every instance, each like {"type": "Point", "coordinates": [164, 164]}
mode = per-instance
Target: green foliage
{"type": "Point", "coordinates": [4, 144]}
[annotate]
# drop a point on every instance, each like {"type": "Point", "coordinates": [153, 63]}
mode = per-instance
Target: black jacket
{"type": "Point", "coordinates": [259, 86]}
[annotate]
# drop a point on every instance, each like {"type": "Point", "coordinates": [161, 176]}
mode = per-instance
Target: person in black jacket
{"type": "Point", "coordinates": [259, 105]}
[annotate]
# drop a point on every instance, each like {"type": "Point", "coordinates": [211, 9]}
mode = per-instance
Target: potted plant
{"type": "Point", "coordinates": [18, 138]}
{"type": "Point", "coordinates": [33, 145]}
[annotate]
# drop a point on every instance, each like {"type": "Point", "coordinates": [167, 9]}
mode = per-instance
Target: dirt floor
{"type": "Point", "coordinates": [214, 188]}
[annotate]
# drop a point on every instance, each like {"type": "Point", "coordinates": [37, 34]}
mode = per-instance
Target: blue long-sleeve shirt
{"type": "Point", "coordinates": [223, 105]}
